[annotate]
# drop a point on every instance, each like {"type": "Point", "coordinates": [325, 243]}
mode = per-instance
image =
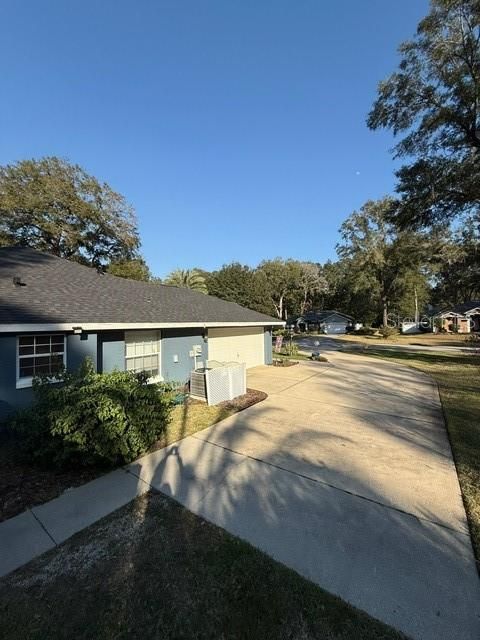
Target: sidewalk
{"type": "Point", "coordinates": [41, 528]}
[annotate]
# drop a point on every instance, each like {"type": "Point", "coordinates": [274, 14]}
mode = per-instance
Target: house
{"type": "Point", "coordinates": [328, 321]}
{"type": "Point", "coordinates": [461, 318]}
{"type": "Point", "coordinates": [54, 313]}
{"type": "Point", "coordinates": [471, 311]}
{"type": "Point", "coordinates": [451, 321]}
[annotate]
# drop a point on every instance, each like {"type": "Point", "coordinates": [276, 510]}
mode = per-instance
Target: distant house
{"type": "Point", "coordinates": [54, 313]}
{"type": "Point", "coordinates": [326, 321]}
{"type": "Point", "coordinates": [470, 310]}
{"type": "Point", "coordinates": [461, 318]}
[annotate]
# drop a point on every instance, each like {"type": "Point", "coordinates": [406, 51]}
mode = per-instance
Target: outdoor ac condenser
{"type": "Point", "coordinates": [218, 382]}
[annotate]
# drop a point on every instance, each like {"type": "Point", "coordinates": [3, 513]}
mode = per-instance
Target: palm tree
{"type": "Point", "coordinates": [188, 279]}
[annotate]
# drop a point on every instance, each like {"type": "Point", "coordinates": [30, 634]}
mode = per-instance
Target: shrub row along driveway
{"type": "Point", "coordinates": [345, 474]}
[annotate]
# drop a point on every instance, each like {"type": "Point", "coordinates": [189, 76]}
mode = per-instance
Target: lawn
{"type": "Point", "coordinates": [23, 484]}
{"type": "Point", "coordinates": [421, 339]}
{"type": "Point", "coordinates": [155, 570]}
{"type": "Point", "coordinates": [458, 379]}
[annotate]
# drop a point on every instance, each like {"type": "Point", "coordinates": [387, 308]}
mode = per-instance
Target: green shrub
{"type": "Point", "coordinates": [91, 418]}
{"type": "Point", "coordinates": [388, 332]}
{"type": "Point", "coordinates": [291, 348]}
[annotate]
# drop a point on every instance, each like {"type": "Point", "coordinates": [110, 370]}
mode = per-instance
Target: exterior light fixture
{"type": "Point", "coordinates": [77, 330]}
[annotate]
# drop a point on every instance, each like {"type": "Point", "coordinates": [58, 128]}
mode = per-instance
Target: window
{"type": "Point", "coordinates": [142, 352]}
{"type": "Point", "coordinates": [39, 355]}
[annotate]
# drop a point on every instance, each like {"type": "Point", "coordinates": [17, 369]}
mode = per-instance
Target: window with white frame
{"type": "Point", "coordinates": [39, 355]}
{"type": "Point", "coordinates": [142, 352]}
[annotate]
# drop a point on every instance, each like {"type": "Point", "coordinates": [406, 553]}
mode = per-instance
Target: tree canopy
{"type": "Point", "coordinates": [239, 283]}
{"type": "Point", "coordinates": [134, 269]}
{"type": "Point", "coordinates": [56, 207]}
{"type": "Point", "coordinates": [188, 279]}
{"type": "Point", "coordinates": [384, 262]}
{"type": "Point", "coordinates": [457, 279]}
{"type": "Point", "coordinates": [432, 102]}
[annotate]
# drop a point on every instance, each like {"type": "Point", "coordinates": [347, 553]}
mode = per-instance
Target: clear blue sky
{"type": "Point", "coordinates": [235, 128]}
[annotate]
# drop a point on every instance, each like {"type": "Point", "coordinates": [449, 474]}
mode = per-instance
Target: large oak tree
{"type": "Point", "coordinates": [384, 263]}
{"type": "Point", "coordinates": [56, 207]}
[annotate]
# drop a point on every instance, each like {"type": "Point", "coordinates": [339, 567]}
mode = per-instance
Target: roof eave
{"type": "Point", "coordinates": [112, 326]}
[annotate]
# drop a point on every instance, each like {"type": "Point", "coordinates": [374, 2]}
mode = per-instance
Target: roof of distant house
{"type": "Point", "coordinates": [39, 288]}
{"type": "Point", "coordinates": [458, 309]}
{"type": "Point", "coordinates": [321, 316]}
{"type": "Point", "coordinates": [465, 307]}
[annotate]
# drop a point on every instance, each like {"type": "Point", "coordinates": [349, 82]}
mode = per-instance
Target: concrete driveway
{"type": "Point", "coordinates": [345, 474]}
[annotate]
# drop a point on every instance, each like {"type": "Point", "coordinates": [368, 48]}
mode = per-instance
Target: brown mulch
{"type": "Point", "coordinates": [243, 402]}
{"type": "Point", "coordinates": [24, 485]}
{"type": "Point", "coordinates": [284, 363]}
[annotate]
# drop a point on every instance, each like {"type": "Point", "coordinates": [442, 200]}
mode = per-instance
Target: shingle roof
{"type": "Point", "coordinates": [321, 316]}
{"type": "Point", "coordinates": [60, 291]}
{"type": "Point", "coordinates": [467, 306]}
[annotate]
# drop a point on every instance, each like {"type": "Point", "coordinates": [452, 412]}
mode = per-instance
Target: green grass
{"type": "Point", "coordinates": [421, 339]}
{"type": "Point", "coordinates": [190, 418]}
{"type": "Point", "coordinates": [458, 379]}
{"type": "Point", "coordinates": [155, 570]}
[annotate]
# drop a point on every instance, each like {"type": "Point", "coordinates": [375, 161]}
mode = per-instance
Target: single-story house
{"type": "Point", "coordinates": [463, 318]}
{"type": "Point", "coordinates": [450, 321]}
{"type": "Point", "coordinates": [471, 311]}
{"type": "Point", "coordinates": [55, 312]}
{"type": "Point", "coordinates": [328, 321]}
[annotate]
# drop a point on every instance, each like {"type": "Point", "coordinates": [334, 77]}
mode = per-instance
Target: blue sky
{"type": "Point", "coordinates": [236, 129]}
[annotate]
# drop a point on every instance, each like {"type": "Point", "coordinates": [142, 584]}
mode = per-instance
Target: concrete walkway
{"type": "Point", "coordinates": [344, 474]}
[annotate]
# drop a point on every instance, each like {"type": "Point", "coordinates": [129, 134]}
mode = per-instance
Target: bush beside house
{"type": "Point", "coordinates": [92, 418]}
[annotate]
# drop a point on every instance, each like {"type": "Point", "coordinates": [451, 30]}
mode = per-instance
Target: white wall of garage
{"type": "Point", "coordinates": [242, 344]}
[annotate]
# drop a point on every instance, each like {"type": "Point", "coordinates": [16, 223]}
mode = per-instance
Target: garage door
{"type": "Point", "coordinates": [244, 344]}
{"type": "Point", "coordinates": [335, 327]}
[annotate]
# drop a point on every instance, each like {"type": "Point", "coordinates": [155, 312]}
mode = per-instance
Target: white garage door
{"type": "Point", "coordinates": [243, 344]}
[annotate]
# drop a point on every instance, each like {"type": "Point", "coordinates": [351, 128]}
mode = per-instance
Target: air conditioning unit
{"type": "Point", "coordinates": [218, 382]}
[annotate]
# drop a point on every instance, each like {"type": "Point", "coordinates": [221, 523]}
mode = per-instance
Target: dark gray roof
{"type": "Point", "coordinates": [466, 306]}
{"type": "Point", "coordinates": [322, 316]}
{"type": "Point", "coordinates": [61, 291]}
{"type": "Point", "coordinates": [462, 308]}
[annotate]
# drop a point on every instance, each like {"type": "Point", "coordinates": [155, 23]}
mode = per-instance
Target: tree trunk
{"type": "Point", "coordinates": [385, 313]}
{"type": "Point", "coordinates": [304, 303]}
{"type": "Point", "coordinates": [279, 307]}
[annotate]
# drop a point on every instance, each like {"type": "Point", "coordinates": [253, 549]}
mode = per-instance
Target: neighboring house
{"type": "Point", "coordinates": [463, 318]}
{"type": "Point", "coordinates": [54, 313]}
{"type": "Point", "coordinates": [471, 311]}
{"type": "Point", "coordinates": [450, 321]}
{"type": "Point", "coordinates": [328, 321]}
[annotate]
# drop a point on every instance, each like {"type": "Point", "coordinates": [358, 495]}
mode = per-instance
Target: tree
{"type": "Point", "coordinates": [344, 293]}
{"type": "Point", "coordinates": [281, 278]}
{"type": "Point", "coordinates": [241, 284]}
{"type": "Point", "coordinates": [187, 279]}
{"type": "Point", "coordinates": [134, 269]}
{"type": "Point", "coordinates": [458, 277]}
{"type": "Point", "coordinates": [56, 207]}
{"type": "Point", "coordinates": [382, 259]}
{"type": "Point", "coordinates": [433, 99]}
{"type": "Point", "coordinates": [311, 282]}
